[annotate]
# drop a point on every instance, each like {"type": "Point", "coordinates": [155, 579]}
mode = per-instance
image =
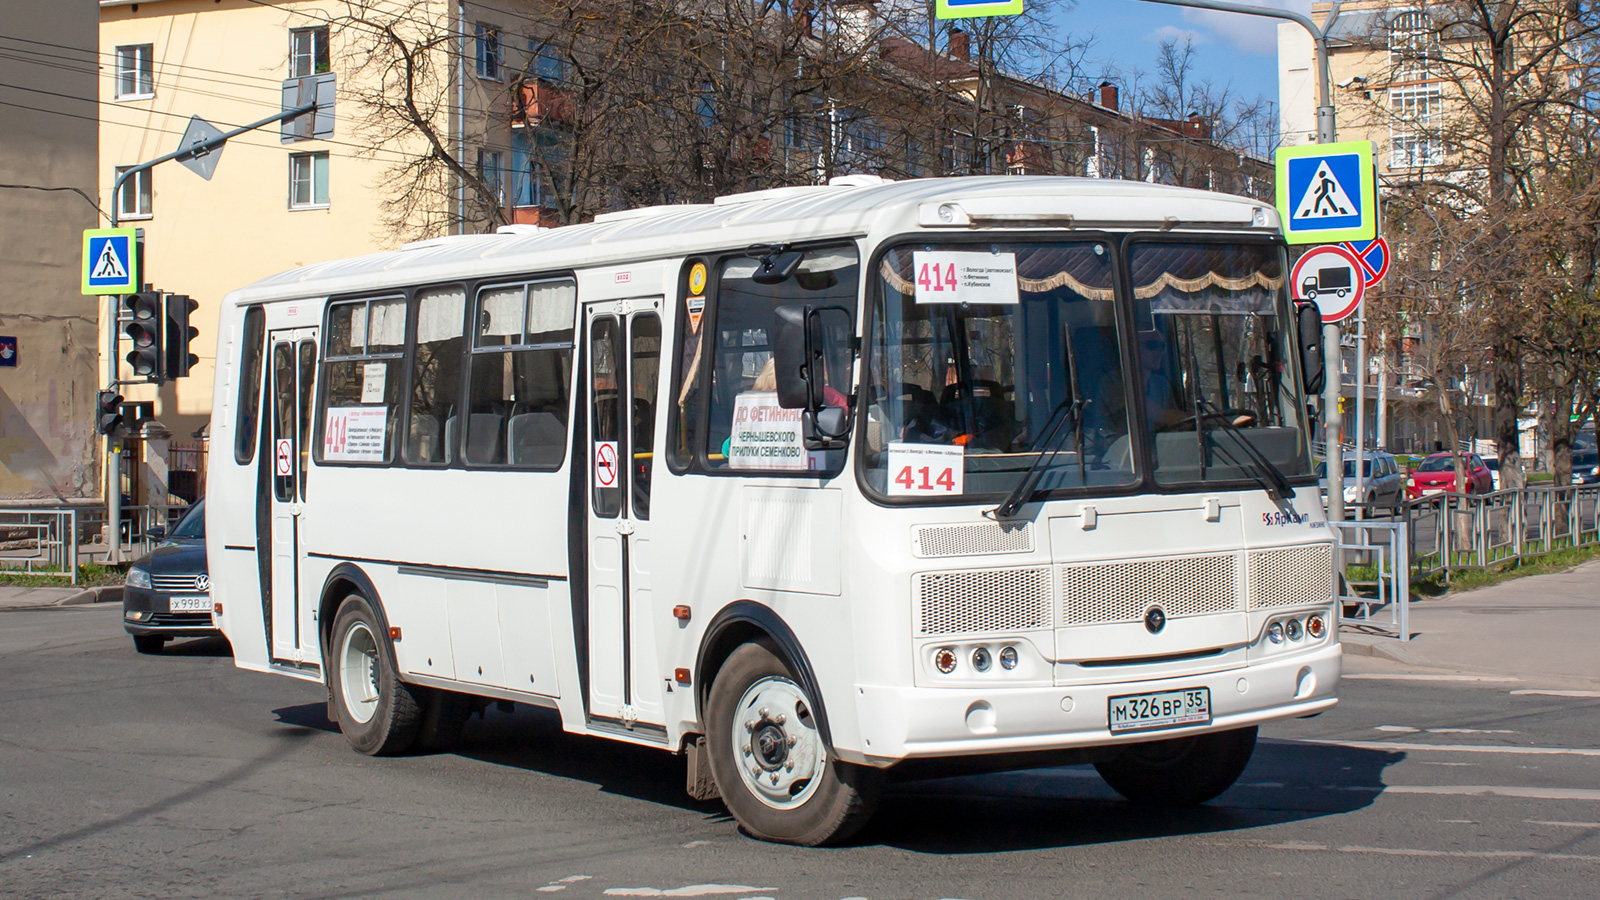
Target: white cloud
{"type": "Point", "coordinates": [1253, 35]}
{"type": "Point", "coordinates": [1174, 33]}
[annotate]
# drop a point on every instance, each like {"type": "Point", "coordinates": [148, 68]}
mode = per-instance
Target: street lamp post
{"type": "Point", "coordinates": [1326, 134]}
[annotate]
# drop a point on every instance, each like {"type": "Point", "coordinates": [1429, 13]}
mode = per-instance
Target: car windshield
{"type": "Point", "coordinates": [983, 356]}
{"type": "Point", "coordinates": [1437, 464]}
{"type": "Point", "coordinates": [1213, 353]}
{"type": "Point", "coordinates": [193, 523]}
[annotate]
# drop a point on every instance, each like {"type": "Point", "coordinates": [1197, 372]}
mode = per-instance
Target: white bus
{"type": "Point", "coordinates": [808, 485]}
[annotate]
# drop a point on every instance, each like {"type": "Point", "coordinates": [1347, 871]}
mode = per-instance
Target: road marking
{"type": "Point", "coordinates": [1495, 790]}
{"type": "Point", "coordinates": [1452, 748]}
{"type": "Point", "coordinates": [1411, 677]}
{"type": "Point", "coordinates": [691, 890]}
{"type": "Point", "coordinates": [1588, 695]}
{"type": "Point", "coordinates": [1563, 824]}
{"type": "Point", "coordinates": [1449, 854]}
{"type": "Point", "coordinates": [1407, 729]}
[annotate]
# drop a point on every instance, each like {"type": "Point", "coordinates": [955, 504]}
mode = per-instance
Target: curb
{"type": "Point", "coordinates": [111, 593]}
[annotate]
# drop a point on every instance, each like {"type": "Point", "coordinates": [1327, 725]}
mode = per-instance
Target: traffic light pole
{"type": "Point", "coordinates": [1332, 421]}
{"type": "Point", "coordinates": [113, 359]}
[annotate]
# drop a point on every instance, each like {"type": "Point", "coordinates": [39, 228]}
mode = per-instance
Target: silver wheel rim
{"type": "Point", "coordinates": [776, 745]}
{"type": "Point", "coordinates": [358, 672]}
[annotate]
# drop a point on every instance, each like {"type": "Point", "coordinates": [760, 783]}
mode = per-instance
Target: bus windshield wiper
{"type": "Point", "coordinates": [1068, 410]}
{"type": "Point", "coordinates": [1268, 475]}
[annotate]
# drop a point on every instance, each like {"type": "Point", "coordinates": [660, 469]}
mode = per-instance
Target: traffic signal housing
{"type": "Point", "coordinates": [108, 412]}
{"type": "Point", "coordinates": [179, 333]}
{"type": "Point", "coordinates": [145, 330]}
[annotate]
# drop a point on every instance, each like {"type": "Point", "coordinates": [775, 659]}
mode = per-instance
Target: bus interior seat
{"type": "Point", "coordinates": [484, 438]}
{"type": "Point", "coordinates": [536, 439]}
{"type": "Point", "coordinates": [423, 439]}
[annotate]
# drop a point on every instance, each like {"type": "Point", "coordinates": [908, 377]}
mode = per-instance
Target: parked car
{"type": "Point", "coordinates": [167, 594]}
{"type": "Point", "coordinates": [1585, 459]}
{"type": "Point", "coordinates": [1438, 473]}
{"type": "Point", "coordinates": [1381, 481]}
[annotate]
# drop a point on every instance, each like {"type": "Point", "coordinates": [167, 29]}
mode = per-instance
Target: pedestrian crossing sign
{"type": "Point", "coordinates": [1327, 193]}
{"type": "Point", "coordinates": [109, 263]}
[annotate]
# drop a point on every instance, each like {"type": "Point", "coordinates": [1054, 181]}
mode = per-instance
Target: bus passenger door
{"type": "Point", "coordinates": [292, 633]}
{"type": "Point", "coordinates": [624, 358]}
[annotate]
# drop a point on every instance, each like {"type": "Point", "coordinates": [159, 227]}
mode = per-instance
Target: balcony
{"type": "Point", "coordinates": [538, 103]}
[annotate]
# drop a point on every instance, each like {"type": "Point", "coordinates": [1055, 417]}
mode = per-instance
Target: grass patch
{"type": "Point", "coordinates": [1435, 585]}
{"type": "Point", "coordinates": [89, 575]}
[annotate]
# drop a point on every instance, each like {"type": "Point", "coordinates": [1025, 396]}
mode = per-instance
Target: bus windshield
{"type": "Point", "coordinates": [972, 381]}
{"type": "Point", "coordinates": [975, 386]}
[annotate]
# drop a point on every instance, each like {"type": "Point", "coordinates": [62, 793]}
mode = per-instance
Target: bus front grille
{"type": "Point", "coordinates": [1105, 593]}
{"type": "Point", "coordinates": [985, 600]}
{"type": "Point", "coordinates": [1292, 576]}
{"type": "Point", "coordinates": [976, 539]}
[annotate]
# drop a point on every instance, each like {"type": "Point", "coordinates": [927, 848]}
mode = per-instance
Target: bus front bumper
{"type": "Point", "coordinates": [909, 722]}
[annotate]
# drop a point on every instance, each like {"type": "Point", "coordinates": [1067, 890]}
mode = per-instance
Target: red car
{"type": "Point", "coordinates": [1438, 473]}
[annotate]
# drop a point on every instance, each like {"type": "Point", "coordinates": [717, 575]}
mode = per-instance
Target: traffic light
{"type": "Point", "coordinates": [179, 334]}
{"type": "Point", "coordinates": [108, 412]}
{"type": "Point", "coordinates": [145, 332]}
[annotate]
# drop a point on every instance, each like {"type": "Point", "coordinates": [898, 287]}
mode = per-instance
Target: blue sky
{"type": "Point", "coordinates": [1230, 48]}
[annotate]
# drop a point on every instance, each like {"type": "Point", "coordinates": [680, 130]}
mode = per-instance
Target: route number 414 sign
{"type": "Point", "coordinates": [926, 470]}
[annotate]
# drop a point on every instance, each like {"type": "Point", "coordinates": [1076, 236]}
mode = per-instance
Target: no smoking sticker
{"type": "Point", "coordinates": [283, 457]}
{"type": "Point", "coordinates": [605, 464]}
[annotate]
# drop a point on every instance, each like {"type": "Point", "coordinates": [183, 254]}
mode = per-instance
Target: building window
{"type": "Point", "coordinates": [308, 180]}
{"type": "Point", "coordinates": [136, 78]}
{"type": "Point", "coordinates": [1414, 110]}
{"type": "Point", "coordinates": [488, 52]}
{"type": "Point", "coordinates": [547, 63]}
{"type": "Point", "coordinates": [1413, 44]}
{"type": "Point", "coordinates": [133, 200]}
{"type": "Point", "coordinates": [308, 51]}
{"type": "Point", "coordinates": [491, 171]}
{"type": "Point", "coordinates": [535, 156]}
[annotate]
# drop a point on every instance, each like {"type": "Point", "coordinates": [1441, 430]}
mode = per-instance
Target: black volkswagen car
{"type": "Point", "coordinates": [168, 593]}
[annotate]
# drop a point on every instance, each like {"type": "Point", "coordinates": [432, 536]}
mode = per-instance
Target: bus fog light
{"type": "Point", "coordinates": [1275, 632]}
{"type": "Point", "coordinates": [944, 659]}
{"type": "Point", "coordinates": [1008, 658]}
{"type": "Point", "coordinates": [981, 660]}
{"type": "Point", "coordinates": [1316, 627]}
{"type": "Point", "coordinates": [1292, 629]}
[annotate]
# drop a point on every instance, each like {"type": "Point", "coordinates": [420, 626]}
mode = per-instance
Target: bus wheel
{"type": "Point", "coordinates": [1184, 771]}
{"type": "Point", "coordinates": [378, 713]}
{"type": "Point", "coordinates": [769, 760]}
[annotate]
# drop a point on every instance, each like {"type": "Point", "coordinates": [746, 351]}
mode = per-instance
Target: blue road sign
{"type": "Point", "coordinates": [1326, 193]}
{"type": "Point", "coordinates": [109, 266]}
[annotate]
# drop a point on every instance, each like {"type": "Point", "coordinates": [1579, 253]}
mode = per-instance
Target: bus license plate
{"type": "Point", "coordinates": [1164, 709]}
{"type": "Point", "coordinates": [190, 604]}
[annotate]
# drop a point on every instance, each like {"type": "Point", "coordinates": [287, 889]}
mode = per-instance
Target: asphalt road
{"type": "Point", "coordinates": [181, 776]}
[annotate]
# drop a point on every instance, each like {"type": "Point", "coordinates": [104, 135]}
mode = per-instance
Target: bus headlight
{"type": "Point", "coordinates": [1008, 658]}
{"type": "Point", "coordinates": [981, 660]}
{"type": "Point", "coordinates": [1275, 632]}
{"type": "Point", "coordinates": [1292, 629]}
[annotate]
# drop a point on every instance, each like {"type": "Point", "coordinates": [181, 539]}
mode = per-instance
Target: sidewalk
{"type": "Point", "coordinates": [12, 597]}
{"type": "Point", "coordinates": [1542, 626]}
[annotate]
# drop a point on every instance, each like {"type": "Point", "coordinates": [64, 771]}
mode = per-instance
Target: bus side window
{"type": "Point", "coordinates": [364, 345]}
{"type": "Point", "coordinates": [683, 410]}
{"type": "Point", "coordinates": [520, 376]}
{"type": "Point", "coordinates": [252, 351]}
{"type": "Point", "coordinates": [435, 376]}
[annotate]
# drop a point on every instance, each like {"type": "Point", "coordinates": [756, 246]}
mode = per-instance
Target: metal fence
{"type": "Point", "coordinates": [39, 541]}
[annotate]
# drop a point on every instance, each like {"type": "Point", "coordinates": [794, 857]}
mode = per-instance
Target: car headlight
{"type": "Point", "coordinates": [138, 578]}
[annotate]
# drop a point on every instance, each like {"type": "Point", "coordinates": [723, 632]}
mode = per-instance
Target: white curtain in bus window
{"type": "Point", "coordinates": [521, 371]}
{"type": "Point", "coordinates": [365, 348]}
{"type": "Point", "coordinates": [436, 375]}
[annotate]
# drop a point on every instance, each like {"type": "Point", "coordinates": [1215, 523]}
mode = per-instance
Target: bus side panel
{"type": "Point", "coordinates": [231, 539]}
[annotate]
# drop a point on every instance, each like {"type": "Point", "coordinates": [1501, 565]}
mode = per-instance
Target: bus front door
{"type": "Point", "coordinates": [624, 361]}
{"type": "Point", "coordinates": [291, 630]}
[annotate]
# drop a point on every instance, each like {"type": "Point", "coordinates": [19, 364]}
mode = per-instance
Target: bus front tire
{"type": "Point", "coordinates": [773, 769]}
{"type": "Point", "coordinates": [379, 714]}
{"type": "Point", "coordinates": [1185, 771]}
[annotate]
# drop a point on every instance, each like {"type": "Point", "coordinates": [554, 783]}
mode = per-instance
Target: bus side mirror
{"type": "Point", "coordinates": [1313, 368]}
{"type": "Point", "coordinates": [790, 357]}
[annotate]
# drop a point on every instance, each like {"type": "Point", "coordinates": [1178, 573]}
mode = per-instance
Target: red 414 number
{"type": "Point", "coordinates": [917, 479]}
{"type": "Point", "coordinates": [936, 277]}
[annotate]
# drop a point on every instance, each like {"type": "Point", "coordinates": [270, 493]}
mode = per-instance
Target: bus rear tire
{"type": "Point", "coordinates": [379, 714]}
{"type": "Point", "coordinates": [1185, 771]}
{"type": "Point", "coordinates": [775, 773]}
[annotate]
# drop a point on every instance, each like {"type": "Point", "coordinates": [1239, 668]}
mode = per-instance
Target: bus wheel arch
{"type": "Point", "coordinates": [745, 622]}
{"type": "Point", "coordinates": [344, 580]}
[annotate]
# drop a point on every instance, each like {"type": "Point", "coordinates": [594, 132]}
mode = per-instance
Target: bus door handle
{"type": "Point", "coordinates": [624, 526]}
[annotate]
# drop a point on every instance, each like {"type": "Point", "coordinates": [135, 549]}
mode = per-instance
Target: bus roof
{"type": "Point", "coordinates": [808, 212]}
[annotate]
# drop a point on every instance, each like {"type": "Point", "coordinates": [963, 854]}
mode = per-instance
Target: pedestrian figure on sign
{"type": "Point", "coordinates": [1325, 189]}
